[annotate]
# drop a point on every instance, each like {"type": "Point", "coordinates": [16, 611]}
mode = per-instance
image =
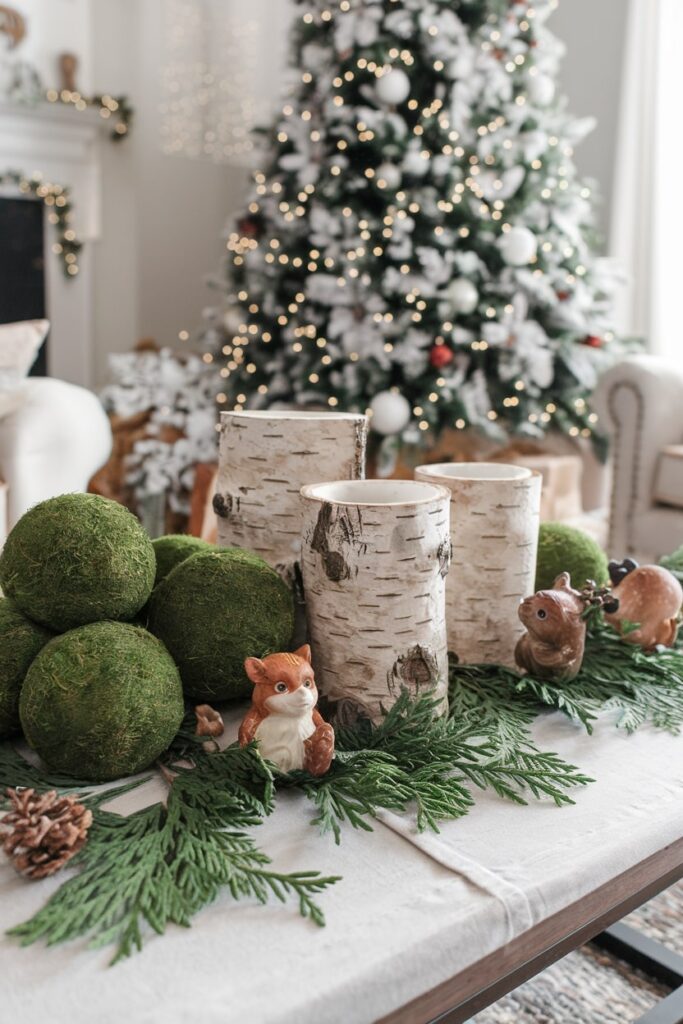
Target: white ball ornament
{"type": "Point", "coordinates": [463, 297]}
{"type": "Point", "coordinates": [393, 87]}
{"type": "Point", "coordinates": [518, 246]}
{"type": "Point", "coordinates": [390, 413]}
{"type": "Point", "coordinates": [390, 175]}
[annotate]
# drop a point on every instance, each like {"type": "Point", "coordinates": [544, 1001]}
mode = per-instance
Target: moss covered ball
{"type": "Point", "coordinates": [101, 701]}
{"type": "Point", "coordinates": [214, 610]}
{"type": "Point", "coordinates": [173, 549]}
{"type": "Point", "coordinates": [565, 549]}
{"type": "Point", "coordinates": [77, 559]}
{"type": "Point", "coordinates": [20, 642]}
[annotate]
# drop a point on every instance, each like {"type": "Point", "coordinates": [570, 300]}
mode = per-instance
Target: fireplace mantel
{"type": "Point", "coordinates": [64, 145]}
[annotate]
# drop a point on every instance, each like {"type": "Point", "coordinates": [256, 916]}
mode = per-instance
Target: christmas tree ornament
{"type": "Point", "coordinates": [440, 356]}
{"type": "Point", "coordinates": [101, 701]}
{"type": "Point", "coordinates": [563, 548]}
{"type": "Point", "coordinates": [283, 719]}
{"type": "Point", "coordinates": [215, 609]}
{"type": "Point", "coordinates": [390, 413]}
{"type": "Point", "coordinates": [388, 176]}
{"type": "Point", "coordinates": [650, 599]}
{"type": "Point", "coordinates": [43, 831]}
{"type": "Point", "coordinates": [553, 645]}
{"type": "Point", "coordinates": [20, 642]}
{"type": "Point", "coordinates": [593, 341]}
{"type": "Point", "coordinates": [75, 559]}
{"type": "Point", "coordinates": [209, 721]}
{"type": "Point", "coordinates": [541, 89]}
{"type": "Point", "coordinates": [172, 549]}
{"type": "Point", "coordinates": [393, 87]}
{"type": "Point", "coordinates": [462, 296]}
{"type": "Point", "coordinates": [518, 246]}
{"type": "Point", "coordinates": [495, 512]}
{"type": "Point", "coordinates": [265, 459]}
{"type": "Point", "coordinates": [415, 164]}
{"type": "Point", "coordinates": [375, 556]}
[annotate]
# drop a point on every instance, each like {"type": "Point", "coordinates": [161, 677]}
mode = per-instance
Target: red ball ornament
{"type": "Point", "coordinates": [440, 356]}
{"type": "Point", "coordinates": [593, 341]}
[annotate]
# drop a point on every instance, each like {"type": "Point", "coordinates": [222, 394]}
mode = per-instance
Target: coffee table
{"type": "Point", "coordinates": [420, 926]}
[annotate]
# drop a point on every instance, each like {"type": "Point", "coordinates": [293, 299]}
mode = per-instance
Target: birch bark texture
{"type": "Point", "coordinates": [265, 459]}
{"type": "Point", "coordinates": [495, 517]}
{"type": "Point", "coordinates": [375, 555]}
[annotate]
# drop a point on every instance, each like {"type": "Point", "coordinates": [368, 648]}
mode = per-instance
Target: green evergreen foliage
{"type": "Point", "coordinates": [75, 559]}
{"type": "Point", "coordinates": [163, 864]}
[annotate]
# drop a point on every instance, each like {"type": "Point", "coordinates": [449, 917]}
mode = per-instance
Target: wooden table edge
{"type": "Point", "coordinates": [492, 977]}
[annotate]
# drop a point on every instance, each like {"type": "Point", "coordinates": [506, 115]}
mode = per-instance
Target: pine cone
{"type": "Point", "coordinates": [43, 831]}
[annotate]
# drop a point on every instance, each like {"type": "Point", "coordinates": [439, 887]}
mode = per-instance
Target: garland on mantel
{"type": "Point", "coordinates": [57, 200]}
{"type": "Point", "coordinates": [166, 862]}
{"type": "Point", "coordinates": [115, 109]}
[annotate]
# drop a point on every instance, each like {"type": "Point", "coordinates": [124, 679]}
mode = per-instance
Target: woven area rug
{"type": "Point", "coordinates": [592, 987]}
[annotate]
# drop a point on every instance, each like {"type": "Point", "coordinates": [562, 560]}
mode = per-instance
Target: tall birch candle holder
{"type": "Point", "coordinates": [265, 458]}
{"type": "Point", "coordinates": [375, 555]}
{"type": "Point", "coordinates": [495, 516]}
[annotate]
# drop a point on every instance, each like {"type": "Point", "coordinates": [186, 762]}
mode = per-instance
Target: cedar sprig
{"type": "Point", "coordinates": [416, 759]}
{"type": "Point", "coordinates": [620, 677]}
{"type": "Point", "coordinates": [163, 864]}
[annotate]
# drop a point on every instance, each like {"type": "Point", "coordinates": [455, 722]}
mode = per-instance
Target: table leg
{"type": "Point", "coordinates": [653, 959]}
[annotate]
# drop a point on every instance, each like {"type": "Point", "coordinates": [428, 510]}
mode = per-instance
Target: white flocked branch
{"type": "Point", "coordinates": [495, 514]}
{"type": "Point", "coordinates": [375, 556]}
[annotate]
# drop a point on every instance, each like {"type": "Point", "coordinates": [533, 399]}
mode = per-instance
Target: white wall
{"type": "Point", "coordinates": [593, 32]}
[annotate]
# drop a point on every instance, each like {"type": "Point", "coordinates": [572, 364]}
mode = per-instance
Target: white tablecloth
{"type": "Point", "coordinates": [410, 912]}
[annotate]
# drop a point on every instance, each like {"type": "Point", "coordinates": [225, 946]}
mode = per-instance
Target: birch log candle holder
{"type": "Point", "coordinates": [375, 555]}
{"type": "Point", "coordinates": [495, 514]}
{"type": "Point", "coordinates": [265, 459]}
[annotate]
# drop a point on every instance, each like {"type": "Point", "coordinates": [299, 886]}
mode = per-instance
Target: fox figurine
{"type": "Point", "coordinates": [283, 718]}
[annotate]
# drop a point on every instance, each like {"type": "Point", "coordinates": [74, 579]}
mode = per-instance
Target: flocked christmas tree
{"type": "Point", "coordinates": [418, 241]}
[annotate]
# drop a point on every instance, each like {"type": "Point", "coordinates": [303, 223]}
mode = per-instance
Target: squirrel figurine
{"type": "Point", "coordinates": [283, 718]}
{"type": "Point", "coordinates": [650, 598]}
{"type": "Point", "coordinates": [553, 646]}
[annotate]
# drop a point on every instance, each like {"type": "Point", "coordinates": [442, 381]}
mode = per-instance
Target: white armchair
{"type": "Point", "coordinates": [640, 404]}
{"type": "Point", "coordinates": [52, 443]}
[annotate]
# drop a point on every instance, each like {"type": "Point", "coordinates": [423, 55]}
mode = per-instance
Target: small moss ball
{"type": "Point", "coordinates": [77, 559]}
{"type": "Point", "coordinates": [101, 701]}
{"type": "Point", "coordinates": [565, 549]}
{"type": "Point", "coordinates": [20, 642]}
{"type": "Point", "coordinates": [214, 610]}
{"type": "Point", "coordinates": [174, 549]}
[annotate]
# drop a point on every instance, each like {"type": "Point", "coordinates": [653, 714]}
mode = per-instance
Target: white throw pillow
{"type": "Point", "coordinates": [19, 345]}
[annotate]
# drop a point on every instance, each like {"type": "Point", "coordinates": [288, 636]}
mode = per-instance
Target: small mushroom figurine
{"type": "Point", "coordinates": [283, 718]}
{"type": "Point", "coordinates": [650, 599]}
{"type": "Point", "coordinates": [553, 646]}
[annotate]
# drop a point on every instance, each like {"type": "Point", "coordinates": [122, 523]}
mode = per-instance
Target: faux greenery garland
{"type": "Point", "coordinates": [166, 862]}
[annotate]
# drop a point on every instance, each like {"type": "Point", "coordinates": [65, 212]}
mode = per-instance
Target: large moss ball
{"type": "Point", "coordinates": [565, 549]}
{"type": "Point", "coordinates": [216, 609]}
{"type": "Point", "coordinates": [20, 642]}
{"type": "Point", "coordinates": [101, 701]}
{"type": "Point", "coordinates": [173, 549]}
{"type": "Point", "coordinates": [77, 559]}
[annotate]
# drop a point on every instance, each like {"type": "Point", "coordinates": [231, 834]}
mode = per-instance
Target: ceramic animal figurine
{"type": "Point", "coordinates": [283, 718]}
{"type": "Point", "coordinates": [650, 598]}
{"type": "Point", "coordinates": [553, 646]}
